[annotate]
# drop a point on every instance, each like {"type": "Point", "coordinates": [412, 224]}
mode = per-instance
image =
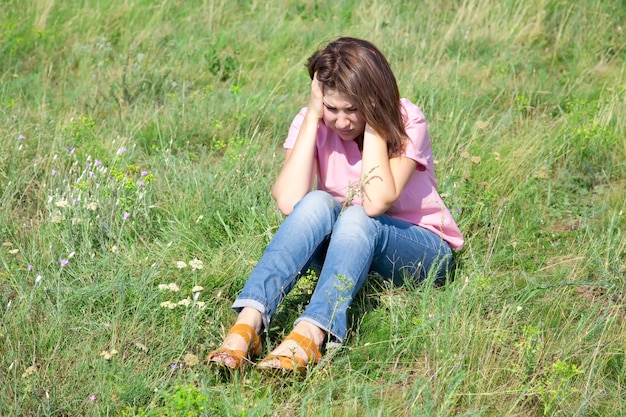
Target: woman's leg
{"type": "Point", "coordinates": [298, 240]}
{"type": "Point", "coordinates": [360, 244]}
{"type": "Point", "coordinates": [348, 259]}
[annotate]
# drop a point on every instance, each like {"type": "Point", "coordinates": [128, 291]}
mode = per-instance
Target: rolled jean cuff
{"type": "Point", "coordinates": [240, 303]}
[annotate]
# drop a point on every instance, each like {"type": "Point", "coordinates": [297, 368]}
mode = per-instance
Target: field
{"type": "Point", "coordinates": [140, 141]}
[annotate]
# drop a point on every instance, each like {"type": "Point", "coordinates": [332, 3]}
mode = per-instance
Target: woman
{"type": "Point", "coordinates": [360, 195]}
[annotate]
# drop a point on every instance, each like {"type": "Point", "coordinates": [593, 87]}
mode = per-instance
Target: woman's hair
{"type": "Point", "coordinates": [357, 69]}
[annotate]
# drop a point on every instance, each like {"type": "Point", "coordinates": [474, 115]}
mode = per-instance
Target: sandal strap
{"type": "Point", "coordinates": [240, 356]}
{"type": "Point", "coordinates": [248, 334]}
{"type": "Point", "coordinates": [288, 363]}
{"type": "Point", "coordinates": [307, 345]}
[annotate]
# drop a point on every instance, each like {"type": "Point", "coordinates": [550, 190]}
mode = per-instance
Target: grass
{"type": "Point", "coordinates": [142, 136]}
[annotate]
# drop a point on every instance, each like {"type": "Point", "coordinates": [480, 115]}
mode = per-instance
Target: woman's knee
{"type": "Point", "coordinates": [317, 205]}
{"type": "Point", "coordinates": [355, 219]}
{"type": "Point", "coordinates": [318, 198]}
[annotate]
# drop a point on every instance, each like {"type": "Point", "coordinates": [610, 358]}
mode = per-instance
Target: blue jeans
{"type": "Point", "coordinates": [349, 244]}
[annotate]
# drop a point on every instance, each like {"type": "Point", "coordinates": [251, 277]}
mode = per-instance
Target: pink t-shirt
{"type": "Point", "coordinates": [339, 172]}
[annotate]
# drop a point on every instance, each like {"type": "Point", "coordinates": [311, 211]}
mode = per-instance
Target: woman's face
{"type": "Point", "coordinates": [341, 116]}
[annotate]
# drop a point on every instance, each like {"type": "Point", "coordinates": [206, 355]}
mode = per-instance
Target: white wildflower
{"type": "Point", "coordinates": [168, 304]}
{"type": "Point", "coordinates": [29, 371]}
{"type": "Point", "coordinates": [197, 288]}
{"type": "Point", "coordinates": [191, 360]}
{"type": "Point", "coordinates": [181, 265]}
{"type": "Point", "coordinates": [196, 264]}
{"type": "Point", "coordinates": [107, 355]}
{"type": "Point", "coordinates": [184, 302]}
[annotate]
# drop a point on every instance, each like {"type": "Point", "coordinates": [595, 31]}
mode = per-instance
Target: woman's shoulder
{"type": "Point", "coordinates": [411, 111]}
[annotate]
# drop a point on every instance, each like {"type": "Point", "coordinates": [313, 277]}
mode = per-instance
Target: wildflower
{"type": "Point", "coordinates": [56, 218]}
{"type": "Point", "coordinates": [174, 367]}
{"type": "Point", "coordinates": [191, 360]}
{"type": "Point", "coordinates": [30, 267]}
{"type": "Point", "coordinates": [63, 262]}
{"type": "Point", "coordinates": [97, 163]}
{"type": "Point", "coordinates": [168, 304]}
{"type": "Point", "coordinates": [14, 251]}
{"type": "Point", "coordinates": [93, 397]}
{"type": "Point", "coordinates": [91, 206]}
{"type": "Point", "coordinates": [69, 149]}
{"type": "Point", "coordinates": [201, 305]}
{"type": "Point", "coordinates": [170, 287]}
{"type": "Point", "coordinates": [55, 172]}
{"type": "Point", "coordinates": [38, 279]}
{"type": "Point", "coordinates": [113, 249]}
{"type": "Point", "coordinates": [29, 371]}
{"type": "Point", "coordinates": [62, 204]}
{"type": "Point", "coordinates": [196, 264]}
{"type": "Point", "coordinates": [196, 295]}
{"type": "Point", "coordinates": [121, 150]}
{"type": "Point", "coordinates": [181, 265]}
{"type": "Point", "coordinates": [197, 288]}
{"type": "Point", "coordinates": [21, 137]}
{"type": "Point", "coordinates": [144, 173]}
{"type": "Point", "coordinates": [107, 355]}
{"type": "Point", "coordinates": [185, 302]}
{"type": "Point", "coordinates": [126, 215]}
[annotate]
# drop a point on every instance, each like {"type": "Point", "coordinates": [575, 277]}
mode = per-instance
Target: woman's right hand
{"type": "Point", "coordinates": [316, 101]}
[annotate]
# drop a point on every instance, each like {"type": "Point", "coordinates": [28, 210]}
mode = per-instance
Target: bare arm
{"type": "Point", "coordinates": [383, 178]}
{"type": "Point", "coordinates": [300, 168]}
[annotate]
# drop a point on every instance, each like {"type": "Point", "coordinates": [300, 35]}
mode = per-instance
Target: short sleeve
{"type": "Point", "coordinates": [294, 129]}
{"type": "Point", "coordinates": [418, 146]}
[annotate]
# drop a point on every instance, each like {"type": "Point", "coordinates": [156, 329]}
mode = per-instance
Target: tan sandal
{"type": "Point", "coordinates": [239, 356]}
{"type": "Point", "coordinates": [295, 363]}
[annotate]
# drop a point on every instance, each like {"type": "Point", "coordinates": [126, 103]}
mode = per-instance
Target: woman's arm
{"type": "Point", "coordinates": [383, 178]}
{"type": "Point", "coordinates": [300, 168]}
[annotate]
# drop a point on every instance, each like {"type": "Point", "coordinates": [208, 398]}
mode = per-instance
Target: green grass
{"type": "Point", "coordinates": [138, 134]}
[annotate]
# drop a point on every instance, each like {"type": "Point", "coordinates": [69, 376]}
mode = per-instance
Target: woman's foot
{"type": "Point", "coordinates": [241, 342]}
{"type": "Point", "coordinates": [299, 348]}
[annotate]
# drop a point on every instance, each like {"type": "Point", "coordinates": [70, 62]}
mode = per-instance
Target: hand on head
{"type": "Point", "coordinates": [316, 101]}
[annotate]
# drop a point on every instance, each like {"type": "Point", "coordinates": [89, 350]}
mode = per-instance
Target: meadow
{"type": "Point", "coordinates": [140, 141]}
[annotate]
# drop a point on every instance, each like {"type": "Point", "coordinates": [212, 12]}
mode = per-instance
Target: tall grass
{"type": "Point", "coordinates": [140, 142]}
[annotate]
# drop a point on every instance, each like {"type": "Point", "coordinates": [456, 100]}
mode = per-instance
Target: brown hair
{"type": "Point", "coordinates": [357, 69]}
